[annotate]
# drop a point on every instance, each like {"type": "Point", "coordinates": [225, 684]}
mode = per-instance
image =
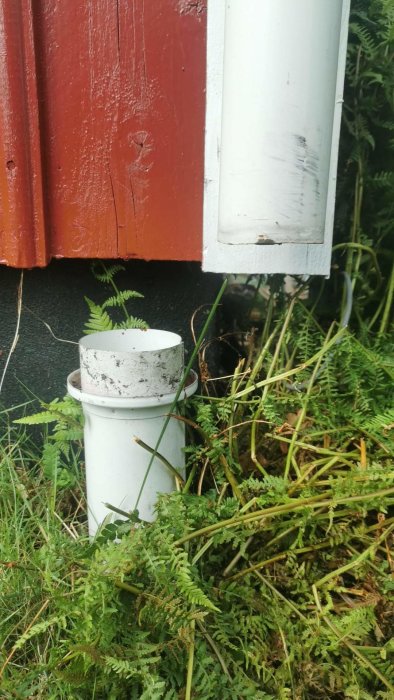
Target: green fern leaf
{"type": "Point", "coordinates": [384, 179]}
{"type": "Point", "coordinates": [99, 319]}
{"type": "Point", "coordinates": [39, 628]}
{"type": "Point", "coordinates": [121, 298]}
{"type": "Point", "coordinates": [181, 567]}
{"type": "Point", "coordinates": [381, 423]}
{"type": "Point", "coordinates": [366, 40]}
{"type": "Point", "coordinates": [68, 435]}
{"type": "Point", "coordinates": [68, 407]}
{"type": "Point", "coordinates": [133, 322]}
{"type": "Point", "coordinates": [50, 459]}
{"type": "Point", "coordinates": [108, 272]}
{"type": "Point", "coordinates": [38, 418]}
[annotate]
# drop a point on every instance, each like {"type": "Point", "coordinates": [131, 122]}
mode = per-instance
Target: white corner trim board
{"type": "Point", "coordinates": [275, 74]}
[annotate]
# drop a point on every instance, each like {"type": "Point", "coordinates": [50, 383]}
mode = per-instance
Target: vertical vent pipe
{"type": "Point", "coordinates": [127, 382]}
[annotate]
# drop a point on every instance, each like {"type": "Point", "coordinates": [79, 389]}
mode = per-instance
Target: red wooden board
{"type": "Point", "coordinates": [101, 129]}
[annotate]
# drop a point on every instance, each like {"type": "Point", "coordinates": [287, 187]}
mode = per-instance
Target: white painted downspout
{"type": "Point", "coordinates": [127, 383]}
{"type": "Point", "coordinates": [274, 93]}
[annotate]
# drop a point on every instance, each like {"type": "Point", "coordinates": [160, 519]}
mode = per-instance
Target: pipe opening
{"type": "Point", "coordinates": [131, 340]}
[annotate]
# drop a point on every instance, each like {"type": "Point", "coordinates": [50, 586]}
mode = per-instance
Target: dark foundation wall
{"type": "Point", "coordinates": [55, 295]}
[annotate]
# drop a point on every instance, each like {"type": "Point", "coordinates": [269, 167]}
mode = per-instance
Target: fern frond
{"type": "Point", "coordinates": [67, 407]}
{"type": "Point", "coordinates": [108, 272]}
{"type": "Point", "coordinates": [122, 667]}
{"type": "Point", "coordinates": [363, 131]}
{"type": "Point", "coordinates": [154, 690]}
{"type": "Point", "coordinates": [364, 36]}
{"type": "Point", "coordinates": [121, 298]}
{"type": "Point", "coordinates": [50, 459]}
{"type": "Point", "coordinates": [192, 593]}
{"type": "Point", "coordinates": [133, 322]}
{"type": "Point", "coordinates": [99, 319]}
{"type": "Point", "coordinates": [381, 423]}
{"type": "Point", "coordinates": [38, 418]}
{"type": "Point", "coordinates": [39, 628]}
{"type": "Point", "coordinates": [384, 179]}
{"type": "Point", "coordinates": [68, 435]}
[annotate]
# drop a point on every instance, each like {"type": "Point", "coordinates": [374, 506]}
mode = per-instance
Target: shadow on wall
{"type": "Point", "coordinates": [55, 295]}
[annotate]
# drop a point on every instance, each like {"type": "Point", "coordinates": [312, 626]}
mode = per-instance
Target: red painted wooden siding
{"type": "Point", "coordinates": [101, 129]}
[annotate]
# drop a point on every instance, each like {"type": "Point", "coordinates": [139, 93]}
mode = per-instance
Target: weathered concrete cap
{"type": "Point", "coordinates": [131, 363]}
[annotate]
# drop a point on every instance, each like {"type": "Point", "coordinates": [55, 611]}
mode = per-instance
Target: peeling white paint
{"type": "Point", "coordinates": [131, 363]}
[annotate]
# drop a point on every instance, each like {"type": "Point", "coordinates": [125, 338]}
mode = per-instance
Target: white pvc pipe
{"type": "Point", "coordinates": [274, 93]}
{"type": "Point", "coordinates": [115, 464]}
{"type": "Point", "coordinates": [280, 72]}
